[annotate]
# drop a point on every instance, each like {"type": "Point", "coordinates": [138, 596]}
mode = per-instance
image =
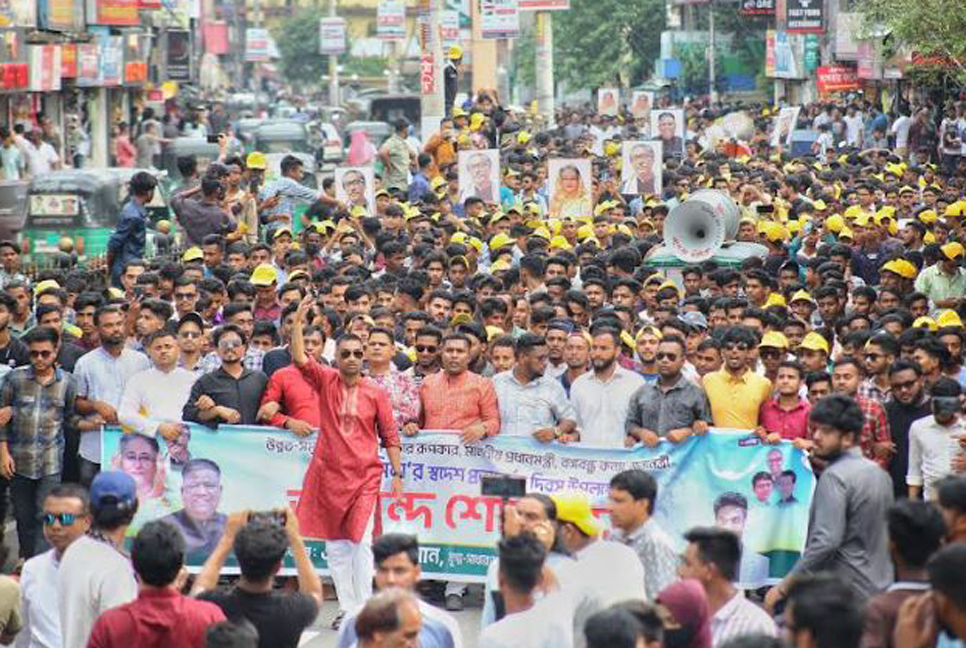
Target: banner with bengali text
{"type": "Point", "coordinates": [725, 478]}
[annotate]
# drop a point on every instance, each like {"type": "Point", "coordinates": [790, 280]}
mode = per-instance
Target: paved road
{"type": "Point", "coordinates": [320, 636]}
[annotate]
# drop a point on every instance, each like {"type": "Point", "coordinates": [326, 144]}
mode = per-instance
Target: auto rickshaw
{"type": "Point", "coordinates": [285, 136]}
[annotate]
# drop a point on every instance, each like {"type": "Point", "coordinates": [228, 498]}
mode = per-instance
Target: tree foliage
{"type": "Point", "coordinates": [297, 38]}
{"type": "Point", "coordinates": [598, 41]}
{"type": "Point", "coordinates": [932, 28]}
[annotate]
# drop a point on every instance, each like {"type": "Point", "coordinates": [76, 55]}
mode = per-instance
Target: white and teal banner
{"type": "Point", "coordinates": [725, 478]}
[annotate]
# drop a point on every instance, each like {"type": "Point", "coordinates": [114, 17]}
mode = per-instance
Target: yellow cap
{"type": "Point", "coordinates": [852, 211]}
{"type": "Point", "coordinates": [953, 250]}
{"type": "Point", "coordinates": [649, 330]}
{"type": "Point", "coordinates": [773, 340]}
{"type": "Point", "coordinates": [455, 52]}
{"type": "Point", "coordinates": [906, 189]}
{"type": "Point", "coordinates": [280, 231]}
{"type": "Point", "coordinates": [846, 233]}
{"type": "Point", "coordinates": [774, 299]}
{"type": "Point", "coordinates": [523, 137]}
{"type": "Point", "coordinates": [501, 240]}
{"type": "Point", "coordinates": [476, 121]}
{"type": "Point", "coordinates": [819, 205]}
{"type": "Point", "coordinates": [458, 112]}
{"type": "Point", "coordinates": [499, 265]}
{"type": "Point", "coordinates": [295, 274]}
{"type": "Point", "coordinates": [949, 318]}
{"type": "Point", "coordinates": [475, 243]}
{"type": "Point", "coordinates": [773, 231]}
{"type": "Point", "coordinates": [358, 211]}
{"type": "Point", "coordinates": [628, 340]}
{"type": "Point", "coordinates": [802, 295]}
{"type": "Point", "coordinates": [926, 323]}
{"type": "Point", "coordinates": [835, 223]}
{"type": "Point", "coordinates": [543, 233]}
{"type": "Point", "coordinates": [927, 216]}
{"type": "Point", "coordinates": [862, 220]}
{"type": "Point", "coordinates": [574, 507]}
{"type": "Point", "coordinates": [437, 182]}
{"type": "Point", "coordinates": [585, 232]}
{"type": "Point", "coordinates": [493, 332]}
{"type": "Point", "coordinates": [48, 283]}
{"type": "Point", "coordinates": [815, 342]}
{"type": "Point", "coordinates": [559, 243]}
{"type": "Point", "coordinates": [192, 254]}
{"type": "Point", "coordinates": [903, 268]}
{"type": "Point", "coordinates": [264, 275]}
{"type": "Point", "coordinates": [325, 226]}
{"type": "Point", "coordinates": [115, 293]}
{"type": "Point", "coordinates": [256, 160]}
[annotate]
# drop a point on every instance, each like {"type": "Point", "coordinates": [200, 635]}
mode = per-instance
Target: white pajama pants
{"type": "Point", "coordinates": [352, 568]}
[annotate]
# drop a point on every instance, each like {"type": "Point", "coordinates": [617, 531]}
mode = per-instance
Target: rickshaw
{"type": "Point", "coordinates": [83, 205]}
{"type": "Point", "coordinates": [13, 202]}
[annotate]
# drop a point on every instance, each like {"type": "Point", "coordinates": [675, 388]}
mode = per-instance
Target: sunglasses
{"type": "Point", "coordinates": [191, 335]}
{"type": "Point", "coordinates": [425, 348]}
{"type": "Point", "coordinates": [738, 347]}
{"type": "Point", "coordinates": [41, 354]}
{"type": "Point", "coordinates": [184, 295]}
{"type": "Point", "coordinates": [909, 384]}
{"type": "Point", "coordinates": [65, 519]}
{"type": "Point", "coordinates": [345, 355]}
{"type": "Point", "coordinates": [228, 345]}
{"type": "Point", "coordinates": [666, 356]}
{"type": "Point", "coordinates": [874, 356]}
{"type": "Point", "coordinates": [769, 353]}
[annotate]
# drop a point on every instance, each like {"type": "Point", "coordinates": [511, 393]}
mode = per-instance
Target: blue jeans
{"type": "Point", "coordinates": [28, 508]}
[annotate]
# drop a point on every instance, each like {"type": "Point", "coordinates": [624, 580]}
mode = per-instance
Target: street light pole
{"type": "Point", "coordinates": [334, 99]}
{"type": "Point", "coordinates": [712, 72]}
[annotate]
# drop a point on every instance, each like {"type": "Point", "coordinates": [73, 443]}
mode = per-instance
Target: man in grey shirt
{"type": "Point", "coordinates": [203, 216]}
{"type": "Point", "coordinates": [674, 408]}
{"type": "Point", "coordinates": [847, 533]}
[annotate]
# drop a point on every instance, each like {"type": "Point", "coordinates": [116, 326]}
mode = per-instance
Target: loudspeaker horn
{"type": "Point", "coordinates": [697, 228]}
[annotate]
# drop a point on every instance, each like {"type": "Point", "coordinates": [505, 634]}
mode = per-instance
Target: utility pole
{"type": "Point", "coordinates": [712, 72]}
{"type": "Point", "coordinates": [430, 68]}
{"type": "Point", "coordinates": [544, 67]}
{"type": "Point", "coordinates": [334, 98]}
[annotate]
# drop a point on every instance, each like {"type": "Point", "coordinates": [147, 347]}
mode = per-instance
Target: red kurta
{"type": "Point", "coordinates": [297, 397]}
{"type": "Point", "coordinates": [341, 487]}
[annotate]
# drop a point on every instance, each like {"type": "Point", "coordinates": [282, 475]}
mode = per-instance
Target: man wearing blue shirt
{"type": "Point", "coordinates": [127, 241]}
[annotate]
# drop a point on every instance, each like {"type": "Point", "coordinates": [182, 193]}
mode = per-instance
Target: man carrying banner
{"type": "Point", "coordinates": [340, 492]}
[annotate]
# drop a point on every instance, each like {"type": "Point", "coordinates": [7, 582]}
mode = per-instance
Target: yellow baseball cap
{"type": "Point", "coordinates": [501, 240]}
{"type": "Point", "coordinates": [815, 342]}
{"type": "Point", "coordinates": [559, 243]}
{"type": "Point", "coordinates": [256, 160]}
{"type": "Point", "coordinates": [926, 323]}
{"type": "Point", "coordinates": [927, 216]}
{"type": "Point", "coordinates": [835, 223]}
{"type": "Point", "coordinates": [802, 295]}
{"type": "Point", "coordinates": [852, 211]}
{"type": "Point", "coordinates": [192, 254]}
{"type": "Point", "coordinates": [49, 283]}
{"type": "Point", "coordinates": [499, 265]}
{"type": "Point", "coordinates": [455, 52]}
{"type": "Point", "coordinates": [903, 268]}
{"type": "Point", "coordinates": [264, 275]}
{"type": "Point", "coordinates": [774, 299]}
{"type": "Point", "coordinates": [493, 332]}
{"type": "Point", "coordinates": [295, 274]}
{"type": "Point", "coordinates": [649, 330]}
{"type": "Point", "coordinates": [953, 249]}
{"type": "Point", "coordinates": [574, 507]}
{"type": "Point", "coordinates": [949, 318]}
{"type": "Point", "coordinates": [280, 231]}
{"type": "Point", "coordinates": [773, 340]}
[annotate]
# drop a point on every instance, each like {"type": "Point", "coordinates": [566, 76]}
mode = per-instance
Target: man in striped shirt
{"type": "Point", "coordinates": [712, 557]}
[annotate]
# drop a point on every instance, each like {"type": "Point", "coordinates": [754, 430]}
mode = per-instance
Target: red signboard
{"type": "Point", "coordinates": [836, 78]}
{"type": "Point", "coordinates": [68, 60]}
{"type": "Point", "coordinates": [216, 37]}
{"type": "Point", "coordinates": [149, 4]}
{"type": "Point", "coordinates": [122, 13]}
{"type": "Point", "coordinates": [14, 76]}
{"type": "Point", "coordinates": [135, 72]}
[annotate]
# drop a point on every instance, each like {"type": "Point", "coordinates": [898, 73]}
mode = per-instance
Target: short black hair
{"type": "Point", "coordinates": [916, 529]}
{"type": "Point", "coordinates": [528, 342]}
{"type": "Point", "coordinates": [951, 493]}
{"type": "Point", "coordinates": [41, 334]}
{"type": "Point", "coordinates": [228, 328]}
{"type": "Point", "coordinates": [840, 412]}
{"type": "Point", "coordinates": [66, 490]}
{"type": "Point", "coordinates": [239, 633]}
{"type": "Point", "coordinates": [391, 544]}
{"type": "Point", "coordinates": [612, 628]}
{"type": "Point", "coordinates": [158, 553]}
{"type": "Point", "coordinates": [947, 573]}
{"type": "Point", "coordinates": [730, 498]}
{"type": "Point", "coordinates": [521, 561]}
{"type": "Point", "coordinates": [640, 485]}
{"type": "Point", "coordinates": [827, 607]}
{"type": "Point", "coordinates": [260, 547]}
{"type": "Point", "coordinates": [718, 547]}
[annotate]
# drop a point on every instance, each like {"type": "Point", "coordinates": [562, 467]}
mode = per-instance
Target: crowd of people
{"type": "Point", "coordinates": [505, 317]}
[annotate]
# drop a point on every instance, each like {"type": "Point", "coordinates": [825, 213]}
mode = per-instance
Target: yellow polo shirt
{"type": "Point", "coordinates": [735, 401]}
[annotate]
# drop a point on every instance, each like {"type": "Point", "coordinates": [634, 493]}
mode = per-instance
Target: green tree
{"type": "Point", "coordinates": [597, 42]}
{"type": "Point", "coordinates": [298, 43]}
{"type": "Point", "coordinates": [933, 28]}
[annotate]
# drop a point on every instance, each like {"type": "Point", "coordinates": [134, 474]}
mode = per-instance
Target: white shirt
{"type": "Point", "coordinates": [548, 624]}
{"type": "Point", "coordinates": [38, 602]}
{"type": "Point", "coordinates": [94, 577]}
{"type": "Point", "coordinates": [602, 406]}
{"type": "Point", "coordinates": [739, 617]}
{"type": "Point", "coordinates": [606, 573]}
{"type": "Point", "coordinates": [40, 159]}
{"type": "Point", "coordinates": [853, 129]}
{"type": "Point", "coordinates": [153, 397]}
{"type": "Point", "coordinates": [900, 128]}
{"type": "Point", "coordinates": [931, 451]}
{"type": "Point", "coordinates": [102, 377]}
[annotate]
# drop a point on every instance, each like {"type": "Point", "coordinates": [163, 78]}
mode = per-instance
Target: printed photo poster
{"type": "Point", "coordinates": [479, 172]}
{"type": "Point", "coordinates": [641, 103]}
{"type": "Point", "coordinates": [571, 188]}
{"type": "Point", "coordinates": [784, 126]}
{"type": "Point", "coordinates": [608, 101]}
{"type": "Point", "coordinates": [355, 187]}
{"type": "Point", "coordinates": [641, 168]}
{"type": "Point", "coordinates": [667, 127]}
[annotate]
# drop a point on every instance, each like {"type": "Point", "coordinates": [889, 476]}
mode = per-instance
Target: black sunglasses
{"type": "Point", "coordinates": [346, 354]}
{"type": "Point", "coordinates": [65, 519]}
{"type": "Point", "coordinates": [424, 348]}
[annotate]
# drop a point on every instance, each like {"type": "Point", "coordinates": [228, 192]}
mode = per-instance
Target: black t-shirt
{"type": "Point", "coordinates": [279, 617]}
{"type": "Point", "coordinates": [15, 354]}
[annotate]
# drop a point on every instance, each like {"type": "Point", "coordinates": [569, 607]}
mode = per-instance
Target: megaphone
{"type": "Point", "coordinates": [697, 228]}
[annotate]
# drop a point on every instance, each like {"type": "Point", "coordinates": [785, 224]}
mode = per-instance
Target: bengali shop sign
{"type": "Point", "coordinates": [725, 478]}
{"type": "Point", "coordinates": [119, 13]}
{"type": "Point", "coordinates": [836, 78]}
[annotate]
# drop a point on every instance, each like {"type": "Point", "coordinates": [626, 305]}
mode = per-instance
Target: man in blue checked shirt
{"type": "Point", "coordinates": [290, 191]}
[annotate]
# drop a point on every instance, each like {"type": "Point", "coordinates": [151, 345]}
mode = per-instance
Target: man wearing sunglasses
{"type": "Point", "coordinates": [66, 517]}
{"type": "Point", "coordinates": [35, 403]}
{"type": "Point", "coordinates": [231, 393]}
{"type": "Point", "coordinates": [340, 490]}
{"type": "Point", "coordinates": [736, 393]}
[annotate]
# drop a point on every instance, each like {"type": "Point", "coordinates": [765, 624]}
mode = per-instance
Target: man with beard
{"type": "Point", "coordinates": [341, 488]}
{"type": "Point", "coordinates": [531, 402]}
{"type": "Point", "coordinates": [427, 343]}
{"type": "Point", "coordinates": [354, 186]}
{"type": "Point", "coordinates": [199, 521]}
{"type": "Point", "coordinates": [102, 375]}
{"type": "Point", "coordinates": [909, 403]}
{"type": "Point", "coordinates": [847, 533]}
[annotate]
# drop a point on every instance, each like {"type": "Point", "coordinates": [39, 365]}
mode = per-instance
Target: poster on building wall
{"type": "Point", "coordinates": [449, 28]}
{"type": "Point", "coordinates": [757, 7]}
{"type": "Point", "coordinates": [499, 19]}
{"type": "Point", "coordinates": [18, 13]}
{"type": "Point", "coordinates": [44, 67]}
{"type": "Point", "coordinates": [117, 13]}
{"type": "Point", "coordinates": [836, 78]}
{"type": "Point", "coordinates": [804, 16]}
{"type": "Point", "coordinates": [391, 20]}
{"type": "Point", "coordinates": [60, 15]}
{"type": "Point", "coordinates": [332, 36]}
{"type": "Point", "coordinates": [179, 55]}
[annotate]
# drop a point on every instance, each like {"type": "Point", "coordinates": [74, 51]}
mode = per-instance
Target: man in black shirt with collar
{"type": "Point", "coordinates": [13, 352]}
